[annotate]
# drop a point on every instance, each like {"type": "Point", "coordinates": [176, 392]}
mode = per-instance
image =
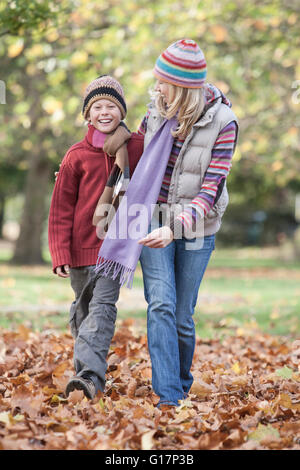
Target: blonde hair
{"type": "Point", "coordinates": [188, 102]}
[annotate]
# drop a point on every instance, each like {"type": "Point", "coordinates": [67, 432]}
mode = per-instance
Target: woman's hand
{"type": "Point", "coordinates": [158, 238]}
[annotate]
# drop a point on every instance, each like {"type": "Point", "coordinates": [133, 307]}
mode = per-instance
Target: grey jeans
{"type": "Point", "coordinates": [92, 321]}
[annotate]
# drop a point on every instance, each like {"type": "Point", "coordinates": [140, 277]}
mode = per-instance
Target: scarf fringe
{"type": "Point", "coordinates": [111, 268]}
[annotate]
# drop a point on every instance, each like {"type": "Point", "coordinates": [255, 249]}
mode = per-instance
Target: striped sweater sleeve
{"type": "Point", "coordinates": [214, 179]}
{"type": "Point", "coordinates": [143, 126]}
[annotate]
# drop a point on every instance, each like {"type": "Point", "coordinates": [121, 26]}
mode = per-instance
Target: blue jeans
{"type": "Point", "coordinates": [172, 277]}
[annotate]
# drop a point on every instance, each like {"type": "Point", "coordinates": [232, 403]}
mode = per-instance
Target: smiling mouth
{"type": "Point", "coordinates": [104, 121]}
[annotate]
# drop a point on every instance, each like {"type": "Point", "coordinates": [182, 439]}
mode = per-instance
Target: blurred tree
{"type": "Point", "coordinates": [17, 18]}
{"type": "Point", "coordinates": [22, 23]}
{"type": "Point", "coordinates": [20, 16]}
{"type": "Point", "coordinates": [251, 49]}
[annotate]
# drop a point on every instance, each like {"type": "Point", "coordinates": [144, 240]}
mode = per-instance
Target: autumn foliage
{"type": "Point", "coordinates": [245, 396]}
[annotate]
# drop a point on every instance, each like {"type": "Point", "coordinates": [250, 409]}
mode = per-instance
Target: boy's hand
{"type": "Point", "coordinates": [56, 173]}
{"type": "Point", "coordinates": [158, 238]}
{"type": "Point", "coordinates": [63, 271]}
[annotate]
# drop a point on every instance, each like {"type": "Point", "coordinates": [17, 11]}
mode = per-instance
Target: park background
{"type": "Point", "coordinates": [246, 365]}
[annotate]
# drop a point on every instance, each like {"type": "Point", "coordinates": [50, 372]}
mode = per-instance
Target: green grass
{"type": "Point", "coordinates": [248, 304]}
{"type": "Point", "coordinates": [253, 257]}
{"type": "Point", "coordinates": [243, 290]}
{"type": "Point", "coordinates": [248, 289]}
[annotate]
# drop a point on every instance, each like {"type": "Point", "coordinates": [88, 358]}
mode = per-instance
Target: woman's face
{"type": "Point", "coordinates": [164, 89]}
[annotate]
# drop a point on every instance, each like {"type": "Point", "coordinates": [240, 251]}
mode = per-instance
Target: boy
{"type": "Point", "coordinates": [73, 242]}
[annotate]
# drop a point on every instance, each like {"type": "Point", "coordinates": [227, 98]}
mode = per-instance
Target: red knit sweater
{"type": "Point", "coordinates": [80, 182]}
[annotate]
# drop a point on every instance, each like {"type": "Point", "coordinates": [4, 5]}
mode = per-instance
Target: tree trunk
{"type": "Point", "coordinates": [28, 248]}
{"type": "Point", "coordinates": [2, 206]}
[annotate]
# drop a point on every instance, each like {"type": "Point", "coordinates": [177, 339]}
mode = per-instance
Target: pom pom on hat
{"type": "Point", "coordinates": [105, 87]}
{"type": "Point", "coordinates": [182, 64]}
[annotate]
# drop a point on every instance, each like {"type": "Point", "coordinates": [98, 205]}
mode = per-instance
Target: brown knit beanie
{"type": "Point", "coordinates": [105, 87]}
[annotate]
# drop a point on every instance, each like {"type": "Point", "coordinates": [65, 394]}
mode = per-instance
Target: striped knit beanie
{"type": "Point", "coordinates": [182, 64]}
{"type": "Point", "coordinates": [105, 87]}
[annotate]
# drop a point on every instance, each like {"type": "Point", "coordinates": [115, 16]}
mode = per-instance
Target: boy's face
{"type": "Point", "coordinates": [105, 115]}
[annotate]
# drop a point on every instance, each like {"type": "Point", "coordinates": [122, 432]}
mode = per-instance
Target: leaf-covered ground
{"type": "Point", "coordinates": [246, 395]}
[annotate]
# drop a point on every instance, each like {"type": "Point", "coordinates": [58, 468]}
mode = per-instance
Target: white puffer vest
{"type": "Point", "coordinates": [192, 163]}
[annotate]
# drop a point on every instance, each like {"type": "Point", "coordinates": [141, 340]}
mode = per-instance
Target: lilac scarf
{"type": "Point", "coordinates": [120, 255]}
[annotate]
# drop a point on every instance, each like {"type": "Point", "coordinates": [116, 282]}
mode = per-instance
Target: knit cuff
{"type": "Point", "coordinates": [186, 222]}
{"type": "Point", "coordinates": [60, 258]}
{"type": "Point", "coordinates": [115, 141]}
{"type": "Point", "coordinates": [177, 228]}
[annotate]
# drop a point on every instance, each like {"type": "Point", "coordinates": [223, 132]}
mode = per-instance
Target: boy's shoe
{"type": "Point", "coordinates": [81, 383]}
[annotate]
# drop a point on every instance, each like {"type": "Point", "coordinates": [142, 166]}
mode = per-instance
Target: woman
{"type": "Point", "coordinates": [173, 266]}
{"type": "Point", "coordinates": [190, 134]}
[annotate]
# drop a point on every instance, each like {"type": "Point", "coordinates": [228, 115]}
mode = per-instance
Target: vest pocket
{"type": "Point", "coordinates": [188, 186]}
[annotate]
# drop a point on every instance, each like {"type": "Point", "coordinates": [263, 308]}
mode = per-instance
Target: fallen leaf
{"type": "Point", "coordinates": [264, 431]}
{"type": "Point", "coordinates": [284, 372]}
{"type": "Point", "coordinates": [75, 397]}
{"type": "Point", "coordinates": [5, 417]}
{"type": "Point", "coordinates": [236, 368]}
{"type": "Point", "coordinates": [286, 401]}
{"type": "Point", "coordinates": [201, 388]}
{"type": "Point", "coordinates": [28, 403]}
{"type": "Point", "coordinates": [57, 399]}
{"type": "Point", "coordinates": [183, 415]}
{"type": "Point", "coordinates": [131, 388]}
{"type": "Point", "coordinates": [147, 440]}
